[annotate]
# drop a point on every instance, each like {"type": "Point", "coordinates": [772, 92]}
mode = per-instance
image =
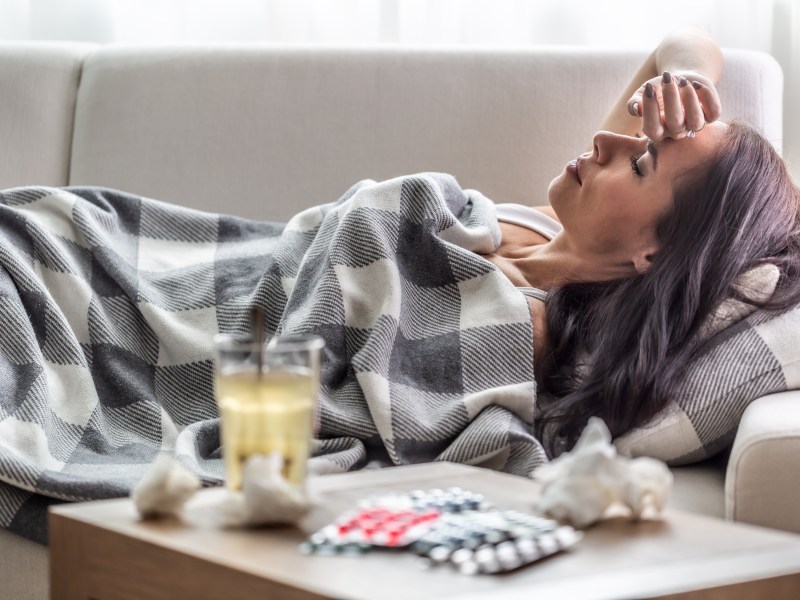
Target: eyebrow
{"type": "Point", "coordinates": [651, 148]}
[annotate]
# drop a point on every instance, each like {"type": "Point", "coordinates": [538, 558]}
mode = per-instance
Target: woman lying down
{"type": "Point", "coordinates": [455, 329]}
{"type": "Point", "coordinates": [655, 226]}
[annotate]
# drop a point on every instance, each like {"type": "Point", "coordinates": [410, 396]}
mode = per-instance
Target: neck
{"type": "Point", "coordinates": [559, 262]}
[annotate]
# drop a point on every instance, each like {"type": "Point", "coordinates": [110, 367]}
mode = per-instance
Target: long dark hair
{"type": "Point", "coordinates": [619, 347]}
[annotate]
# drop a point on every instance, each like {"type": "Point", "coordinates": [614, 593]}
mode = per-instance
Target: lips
{"type": "Point", "coordinates": [574, 169]}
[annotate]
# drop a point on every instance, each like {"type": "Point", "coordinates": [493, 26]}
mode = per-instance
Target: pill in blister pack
{"type": "Point", "coordinates": [444, 501]}
{"type": "Point", "coordinates": [492, 541]}
{"type": "Point", "coordinates": [453, 527]}
{"type": "Point", "coordinates": [448, 501]}
{"type": "Point", "coordinates": [366, 528]}
{"type": "Point", "coordinates": [383, 526]}
{"type": "Point", "coordinates": [390, 520]}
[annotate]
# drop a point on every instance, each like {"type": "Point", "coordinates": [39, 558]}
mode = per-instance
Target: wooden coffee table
{"type": "Point", "coordinates": [102, 551]}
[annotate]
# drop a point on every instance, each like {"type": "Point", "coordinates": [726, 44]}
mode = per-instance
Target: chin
{"type": "Point", "coordinates": [557, 195]}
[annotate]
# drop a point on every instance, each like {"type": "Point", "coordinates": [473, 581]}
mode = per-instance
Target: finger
{"type": "Point", "coordinates": [673, 107]}
{"type": "Point", "coordinates": [695, 120]}
{"type": "Point", "coordinates": [651, 114]}
{"type": "Point", "coordinates": [709, 99]}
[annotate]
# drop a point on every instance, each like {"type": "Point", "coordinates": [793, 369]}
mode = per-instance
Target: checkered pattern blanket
{"type": "Point", "coordinates": [109, 301]}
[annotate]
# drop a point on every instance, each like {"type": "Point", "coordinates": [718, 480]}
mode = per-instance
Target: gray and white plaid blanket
{"type": "Point", "coordinates": [109, 302]}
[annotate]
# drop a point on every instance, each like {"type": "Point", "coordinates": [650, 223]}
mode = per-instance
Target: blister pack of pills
{"type": "Point", "coordinates": [492, 541]}
{"type": "Point", "coordinates": [444, 527]}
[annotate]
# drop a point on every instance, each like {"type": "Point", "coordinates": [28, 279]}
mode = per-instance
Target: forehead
{"type": "Point", "coordinates": [687, 151]}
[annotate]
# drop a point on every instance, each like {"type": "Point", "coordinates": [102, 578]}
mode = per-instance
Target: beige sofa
{"type": "Point", "coordinates": [264, 131]}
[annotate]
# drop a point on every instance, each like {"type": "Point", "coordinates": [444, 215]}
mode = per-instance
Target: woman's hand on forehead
{"type": "Point", "coordinates": [675, 105]}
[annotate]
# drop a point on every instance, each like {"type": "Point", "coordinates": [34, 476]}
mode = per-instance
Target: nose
{"type": "Point", "coordinates": [606, 145]}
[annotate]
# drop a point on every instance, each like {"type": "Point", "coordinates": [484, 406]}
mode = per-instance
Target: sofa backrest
{"type": "Point", "coordinates": [38, 87]}
{"type": "Point", "coordinates": [263, 131]}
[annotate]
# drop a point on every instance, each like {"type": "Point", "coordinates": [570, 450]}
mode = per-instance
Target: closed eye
{"type": "Point", "coordinates": [635, 165]}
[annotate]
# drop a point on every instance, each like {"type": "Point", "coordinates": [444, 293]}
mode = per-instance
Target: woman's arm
{"type": "Point", "coordinates": [689, 53]}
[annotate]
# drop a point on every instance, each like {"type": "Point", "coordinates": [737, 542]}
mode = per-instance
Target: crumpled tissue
{"type": "Point", "coordinates": [267, 498]}
{"type": "Point", "coordinates": [584, 485]}
{"type": "Point", "coordinates": [164, 489]}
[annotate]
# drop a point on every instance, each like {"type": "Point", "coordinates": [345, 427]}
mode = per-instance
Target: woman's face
{"type": "Point", "coordinates": [609, 200]}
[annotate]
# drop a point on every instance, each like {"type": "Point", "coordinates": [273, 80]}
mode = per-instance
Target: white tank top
{"type": "Point", "coordinates": [530, 218]}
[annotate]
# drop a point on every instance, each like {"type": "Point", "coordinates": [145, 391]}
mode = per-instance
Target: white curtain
{"type": "Point", "coordinates": [769, 25]}
{"type": "Point", "coordinates": [752, 23]}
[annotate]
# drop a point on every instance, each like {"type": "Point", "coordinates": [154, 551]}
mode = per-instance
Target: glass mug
{"type": "Point", "coordinates": [267, 399]}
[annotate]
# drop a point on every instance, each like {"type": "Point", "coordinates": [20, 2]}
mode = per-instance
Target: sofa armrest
{"type": "Point", "coordinates": [762, 484]}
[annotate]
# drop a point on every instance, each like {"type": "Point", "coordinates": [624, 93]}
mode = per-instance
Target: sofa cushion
{"type": "Point", "coordinates": [24, 568]}
{"type": "Point", "coordinates": [262, 132]}
{"type": "Point", "coordinates": [37, 95]}
{"type": "Point", "coordinates": [700, 488]}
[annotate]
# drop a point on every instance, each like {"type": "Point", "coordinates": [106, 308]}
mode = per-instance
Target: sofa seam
{"type": "Point", "coordinates": [79, 81]}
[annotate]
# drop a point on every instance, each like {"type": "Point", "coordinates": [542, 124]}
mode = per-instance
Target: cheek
{"type": "Point", "coordinates": [649, 206]}
{"type": "Point", "coordinates": [620, 218]}
{"type": "Point", "coordinates": [635, 225]}
{"type": "Point", "coordinates": [630, 200]}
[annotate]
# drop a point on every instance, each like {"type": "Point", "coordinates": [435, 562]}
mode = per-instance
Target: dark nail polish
{"type": "Point", "coordinates": [666, 78]}
{"type": "Point", "coordinates": [697, 85]}
{"type": "Point", "coordinates": [683, 82]}
{"type": "Point", "coordinates": [648, 90]}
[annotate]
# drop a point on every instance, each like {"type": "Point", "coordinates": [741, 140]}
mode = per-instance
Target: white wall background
{"type": "Point", "coordinates": [772, 26]}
